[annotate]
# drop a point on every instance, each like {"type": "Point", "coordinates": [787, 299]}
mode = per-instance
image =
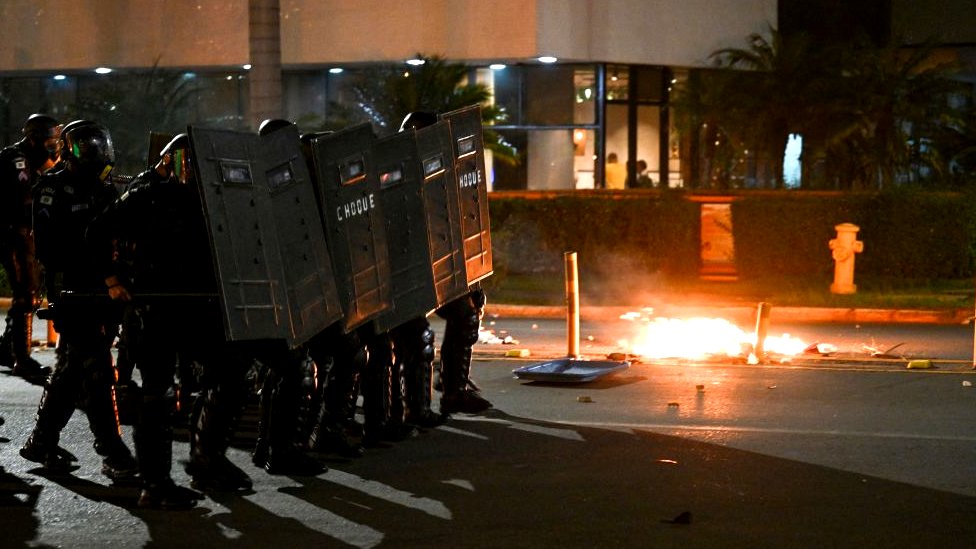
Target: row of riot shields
{"type": "Point", "coordinates": [343, 226]}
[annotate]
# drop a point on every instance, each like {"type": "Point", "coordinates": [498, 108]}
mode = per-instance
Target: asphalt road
{"type": "Point", "coordinates": [826, 452]}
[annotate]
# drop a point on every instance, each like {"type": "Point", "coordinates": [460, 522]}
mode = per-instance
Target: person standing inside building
{"type": "Point", "coordinates": [616, 174]}
{"type": "Point", "coordinates": [20, 166]}
{"type": "Point", "coordinates": [64, 203]}
{"type": "Point", "coordinates": [644, 180]}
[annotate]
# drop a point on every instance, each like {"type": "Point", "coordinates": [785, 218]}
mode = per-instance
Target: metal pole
{"type": "Point", "coordinates": [762, 326]}
{"type": "Point", "coordinates": [974, 336]}
{"type": "Point", "coordinates": [572, 304]}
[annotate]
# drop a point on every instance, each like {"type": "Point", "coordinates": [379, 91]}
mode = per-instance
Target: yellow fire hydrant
{"type": "Point", "coordinates": [843, 249]}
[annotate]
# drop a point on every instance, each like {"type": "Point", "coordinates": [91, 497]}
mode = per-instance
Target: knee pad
{"type": "Point", "coordinates": [427, 351]}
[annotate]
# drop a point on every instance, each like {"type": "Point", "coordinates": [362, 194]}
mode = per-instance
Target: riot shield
{"type": "Point", "coordinates": [408, 231]}
{"type": "Point", "coordinates": [348, 190]}
{"type": "Point", "coordinates": [469, 170]}
{"type": "Point", "coordinates": [443, 216]}
{"type": "Point", "coordinates": [259, 208]}
{"type": "Point", "coordinates": [241, 225]}
{"type": "Point", "coordinates": [313, 298]}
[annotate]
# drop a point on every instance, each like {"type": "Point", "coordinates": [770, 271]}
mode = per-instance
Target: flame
{"type": "Point", "coordinates": [700, 338]}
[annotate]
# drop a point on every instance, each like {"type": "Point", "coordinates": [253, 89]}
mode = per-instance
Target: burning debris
{"type": "Point", "coordinates": [701, 338]}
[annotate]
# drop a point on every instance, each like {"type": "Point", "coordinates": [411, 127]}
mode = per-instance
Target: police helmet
{"type": "Point", "coordinates": [41, 132]}
{"type": "Point", "coordinates": [417, 120]}
{"type": "Point", "coordinates": [88, 149]}
{"type": "Point", "coordinates": [63, 133]}
{"type": "Point", "coordinates": [40, 127]}
{"type": "Point", "coordinates": [273, 124]}
{"type": "Point", "coordinates": [176, 156]}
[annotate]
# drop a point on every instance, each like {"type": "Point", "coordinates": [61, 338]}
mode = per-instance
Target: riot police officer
{"type": "Point", "coordinates": [154, 257]}
{"type": "Point", "coordinates": [64, 203]}
{"type": "Point", "coordinates": [20, 166]}
{"type": "Point", "coordinates": [463, 322]}
{"type": "Point", "coordinates": [279, 449]}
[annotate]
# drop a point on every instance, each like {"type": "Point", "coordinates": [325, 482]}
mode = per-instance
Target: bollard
{"type": "Point", "coordinates": [762, 327]}
{"type": "Point", "coordinates": [843, 249]}
{"type": "Point", "coordinates": [572, 304]}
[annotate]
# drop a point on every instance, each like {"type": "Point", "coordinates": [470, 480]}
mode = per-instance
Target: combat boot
{"type": "Point", "coordinates": [465, 401]}
{"type": "Point", "coordinates": [332, 438]}
{"type": "Point", "coordinates": [460, 395]}
{"type": "Point", "coordinates": [217, 473]}
{"type": "Point", "coordinates": [6, 345]}
{"type": "Point", "coordinates": [167, 495]}
{"type": "Point", "coordinates": [120, 467]}
{"type": "Point", "coordinates": [28, 368]}
{"type": "Point", "coordinates": [50, 456]}
{"type": "Point", "coordinates": [291, 461]}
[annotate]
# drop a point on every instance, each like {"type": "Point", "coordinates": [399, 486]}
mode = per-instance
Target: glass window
{"type": "Point", "coordinates": [558, 159]}
{"type": "Point", "coordinates": [617, 82]}
{"type": "Point", "coordinates": [546, 95]}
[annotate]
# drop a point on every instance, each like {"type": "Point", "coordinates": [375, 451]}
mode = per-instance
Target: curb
{"type": "Point", "coordinates": [781, 314]}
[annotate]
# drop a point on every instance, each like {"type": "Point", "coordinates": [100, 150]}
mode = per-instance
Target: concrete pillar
{"type": "Point", "coordinates": [264, 78]}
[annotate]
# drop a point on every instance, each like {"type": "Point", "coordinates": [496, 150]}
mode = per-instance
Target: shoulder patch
{"type": "Point", "coordinates": [46, 199]}
{"type": "Point", "coordinates": [20, 164]}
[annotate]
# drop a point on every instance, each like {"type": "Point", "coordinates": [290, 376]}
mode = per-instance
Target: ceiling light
{"type": "Point", "coordinates": [415, 62]}
{"type": "Point", "coordinates": [547, 59]}
{"type": "Point", "coordinates": [497, 66]}
{"type": "Point", "coordinates": [103, 70]}
{"type": "Point", "coordinates": [335, 70]}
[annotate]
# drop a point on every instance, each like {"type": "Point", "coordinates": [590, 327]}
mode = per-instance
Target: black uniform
{"type": "Point", "coordinates": [463, 321]}
{"type": "Point", "coordinates": [152, 241]}
{"type": "Point", "coordinates": [63, 205]}
{"type": "Point", "coordinates": [20, 166]}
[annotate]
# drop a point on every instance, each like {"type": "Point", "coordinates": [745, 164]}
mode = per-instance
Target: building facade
{"type": "Point", "coordinates": [579, 79]}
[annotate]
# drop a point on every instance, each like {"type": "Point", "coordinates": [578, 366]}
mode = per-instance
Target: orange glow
{"type": "Point", "coordinates": [701, 338]}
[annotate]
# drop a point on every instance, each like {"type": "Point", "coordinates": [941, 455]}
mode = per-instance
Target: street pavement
{"type": "Point", "coordinates": [554, 465]}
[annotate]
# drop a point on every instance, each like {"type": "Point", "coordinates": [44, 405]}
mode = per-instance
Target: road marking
{"type": "Point", "coordinates": [769, 430]}
{"type": "Point", "coordinates": [388, 493]}
{"type": "Point", "coordinates": [565, 434]}
{"type": "Point", "coordinates": [316, 518]}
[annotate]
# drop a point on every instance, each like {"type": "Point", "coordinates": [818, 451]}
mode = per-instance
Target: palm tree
{"type": "Point", "coordinates": [762, 95]}
{"type": "Point", "coordinates": [870, 116]}
{"type": "Point", "coordinates": [894, 102]}
{"type": "Point", "coordinates": [387, 94]}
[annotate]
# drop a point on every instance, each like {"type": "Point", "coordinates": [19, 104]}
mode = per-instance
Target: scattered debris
{"type": "Point", "coordinates": [771, 387]}
{"type": "Point", "coordinates": [887, 353]}
{"type": "Point", "coordinates": [489, 337]}
{"type": "Point", "coordinates": [824, 349]}
{"type": "Point", "coordinates": [667, 461]}
{"type": "Point", "coordinates": [919, 364]}
{"type": "Point", "coordinates": [584, 399]}
{"type": "Point", "coordinates": [967, 383]}
{"type": "Point", "coordinates": [518, 353]}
